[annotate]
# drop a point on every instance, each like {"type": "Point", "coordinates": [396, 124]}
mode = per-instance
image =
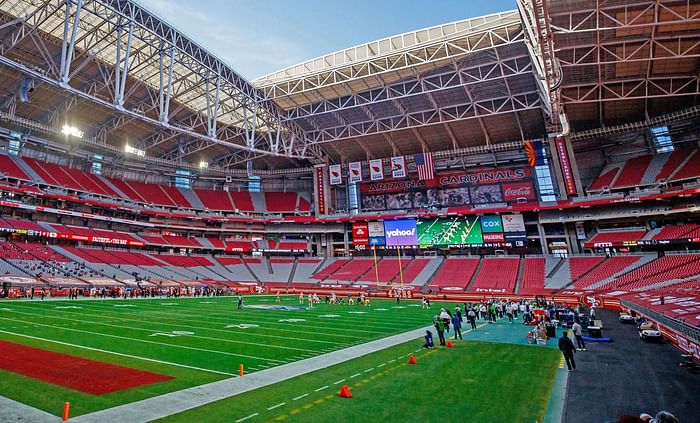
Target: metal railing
{"type": "Point", "coordinates": [678, 326]}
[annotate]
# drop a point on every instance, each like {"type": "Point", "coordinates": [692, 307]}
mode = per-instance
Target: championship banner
{"type": "Point", "coordinates": [355, 172]}
{"type": "Point", "coordinates": [376, 169]}
{"type": "Point", "coordinates": [566, 171]}
{"type": "Point", "coordinates": [398, 167]}
{"type": "Point", "coordinates": [320, 189]}
{"type": "Point", "coordinates": [336, 175]}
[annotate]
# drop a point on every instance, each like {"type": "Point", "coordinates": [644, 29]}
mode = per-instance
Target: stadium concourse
{"type": "Point", "coordinates": [166, 220]}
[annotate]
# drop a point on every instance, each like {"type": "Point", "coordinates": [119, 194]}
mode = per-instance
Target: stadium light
{"type": "Point", "coordinates": [135, 151]}
{"type": "Point", "coordinates": [72, 131]}
{"type": "Point", "coordinates": [203, 165]}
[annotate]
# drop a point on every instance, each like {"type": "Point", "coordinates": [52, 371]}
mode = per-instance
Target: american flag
{"type": "Point", "coordinates": [424, 164]}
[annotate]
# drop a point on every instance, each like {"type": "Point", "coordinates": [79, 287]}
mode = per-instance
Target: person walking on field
{"type": "Point", "coordinates": [240, 301]}
{"type": "Point", "coordinates": [567, 349]}
{"type": "Point", "coordinates": [471, 316]}
{"type": "Point", "coordinates": [457, 323]}
{"type": "Point", "coordinates": [578, 334]}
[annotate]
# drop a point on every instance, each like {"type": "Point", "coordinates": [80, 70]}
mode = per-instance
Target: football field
{"type": "Point", "coordinates": [184, 342]}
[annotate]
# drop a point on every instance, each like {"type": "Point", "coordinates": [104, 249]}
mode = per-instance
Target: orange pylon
{"type": "Point", "coordinates": [412, 359]}
{"type": "Point", "coordinates": [450, 344]}
{"type": "Point", "coordinates": [345, 392]}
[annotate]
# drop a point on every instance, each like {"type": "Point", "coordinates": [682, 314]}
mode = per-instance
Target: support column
{"type": "Point", "coordinates": [543, 239]}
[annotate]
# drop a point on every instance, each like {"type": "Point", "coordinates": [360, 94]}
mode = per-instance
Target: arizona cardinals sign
{"type": "Point", "coordinates": [398, 167]}
{"type": "Point", "coordinates": [336, 177]}
{"type": "Point", "coordinates": [355, 172]}
{"type": "Point", "coordinates": [376, 170]}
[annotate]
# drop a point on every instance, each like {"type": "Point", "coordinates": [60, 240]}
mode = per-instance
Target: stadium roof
{"type": "Point", "coordinates": [478, 84]}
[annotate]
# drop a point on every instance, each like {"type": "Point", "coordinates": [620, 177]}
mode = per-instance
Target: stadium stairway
{"type": "Point", "coordinates": [258, 199]}
{"type": "Point", "coordinates": [428, 271]}
{"type": "Point", "coordinates": [582, 274]}
{"type": "Point", "coordinates": [552, 264]}
{"type": "Point", "coordinates": [193, 199]}
{"type": "Point", "coordinates": [519, 278]}
{"type": "Point", "coordinates": [559, 277]}
{"type": "Point", "coordinates": [7, 267]}
{"type": "Point", "coordinates": [28, 170]}
{"type": "Point", "coordinates": [655, 165]}
{"type": "Point", "coordinates": [245, 263]}
{"type": "Point", "coordinates": [293, 272]}
{"type": "Point", "coordinates": [474, 276]}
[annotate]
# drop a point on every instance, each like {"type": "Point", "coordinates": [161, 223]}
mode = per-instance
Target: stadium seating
{"type": "Point", "coordinates": [497, 274]}
{"type": "Point", "coordinates": [332, 267]}
{"type": "Point", "coordinates": [10, 169]}
{"type": "Point", "coordinates": [605, 180]}
{"type": "Point", "coordinates": [610, 236]}
{"type": "Point", "coordinates": [353, 270]}
{"type": "Point", "coordinates": [691, 169]}
{"type": "Point", "coordinates": [633, 171]}
{"type": "Point", "coordinates": [580, 265]}
{"type": "Point", "coordinates": [533, 276]}
{"type": "Point", "coordinates": [673, 231]}
{"type": "Point", "coordinates": [412, 270]}
{"type": "Point", "coordinates": [454, 273]}
{"type": "Point", "coordinates": [657, 272]}
{"type": "Point", "coordinates": [277, 202]}
{"type": "Point", "coordinates": [243, 201]}
{"type": "Point", "coordinates": [605, 270]}
{"type": "Point", "coordinates": [386, 270]}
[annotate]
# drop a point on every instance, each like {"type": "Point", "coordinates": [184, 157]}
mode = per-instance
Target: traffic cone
{"type": "Point", "coordinates": [345, 392]}
{"type": "Point", "coordinates": [450, 344]}
{"type": "Point", "coordinates": [412, 359]}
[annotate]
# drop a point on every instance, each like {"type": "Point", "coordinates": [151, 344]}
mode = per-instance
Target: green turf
{"type": "Point", "coordinates": [212, 351]}
{"type": "Point", "coordinates": [475, 381]}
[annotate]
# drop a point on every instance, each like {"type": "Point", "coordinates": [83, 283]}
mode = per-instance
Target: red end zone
{"type": "Point", "coordinates": [92, 377]}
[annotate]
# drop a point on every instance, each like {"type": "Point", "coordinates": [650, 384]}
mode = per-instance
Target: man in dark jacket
{"type": "Point", "coordinates": [567, 348]}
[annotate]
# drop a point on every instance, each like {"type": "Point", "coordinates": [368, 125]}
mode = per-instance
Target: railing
{"type": "Point", "coordinates": [682, 328]}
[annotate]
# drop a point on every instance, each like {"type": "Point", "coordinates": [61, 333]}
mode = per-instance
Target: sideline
{"type": "Point", "coordinates": [176, 402]}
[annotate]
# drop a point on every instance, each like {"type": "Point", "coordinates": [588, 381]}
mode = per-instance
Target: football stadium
{"type": "Point", "coordinates": [493, 219]}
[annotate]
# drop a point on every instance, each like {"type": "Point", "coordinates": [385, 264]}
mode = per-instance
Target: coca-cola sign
{"type": "Point", "coordinates": [513, 191]}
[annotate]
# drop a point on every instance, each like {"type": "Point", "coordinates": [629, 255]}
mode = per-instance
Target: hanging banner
{"type": "Point", "coordinates": [566, 172]}
{"type": "Point", "coordinates": [580, 231]}
{"type": "Point", "coordinates": [336, 176]}
{"type": "Point", "coordinates": [398, 167]}
{"type": "Point", "coordinates": [320, 189]}
{"type": "Point", "coordinates": [355, 172]}
{"type": "Point", "coordinates": [376, 170]}
{"type": "Point", "coordinates": [360, 233]}
{"type": "Point", "coordinates": [513, 223]}
{"type": "Point", "coordinates": [376, 233]}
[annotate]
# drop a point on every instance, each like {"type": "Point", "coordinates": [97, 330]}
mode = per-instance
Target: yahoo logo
{"type": "Point", "coordinates": [399, 232]}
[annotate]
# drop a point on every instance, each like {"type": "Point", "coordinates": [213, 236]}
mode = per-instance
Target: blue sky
{"type": "Point", "coordinates": [258, 37]}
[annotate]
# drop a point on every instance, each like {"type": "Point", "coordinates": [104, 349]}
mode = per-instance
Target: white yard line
{"type": "Point", "coordinates": [246, 417]}
{"type": "Point", "coordinates": [143, 340]}
{"type": "Point", "coordinates": [299, 397]}
{"type": "Point", "coordinates": [276, 406]}
{"type": "Point", "coordinates": [321, 388]}
{"type": "Point", "coordinates": [340, 381]}
{"type": "Point", "coordinates": [132, 328]}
